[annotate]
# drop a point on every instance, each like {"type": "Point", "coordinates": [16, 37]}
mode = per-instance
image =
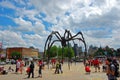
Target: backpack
{"type": "Point", "coordinates": [117, 73]}
{"type": "Point", "coordinates": [57, 65]}
{"type": "Point", "coordinates": [31, 66]}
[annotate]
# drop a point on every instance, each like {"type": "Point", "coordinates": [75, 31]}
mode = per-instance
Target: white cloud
{"type": "Point", "coordinates": [23, 24]}
{"type": "Point", "coordinates": [39, 28]}
{"type": "Point", "coordinates": [99, 20]}
{"type": "Point", "coordinates": [116, 38]}
{"type": "Point", "coordinates": [7, 4]}
{"type": "Point", "coordinates": [19, 40]}
{"type": "Point", "coordinates": [11, 39]}
{"type": "Point", "coordinates": [85, 15]}
{"type": "Point", "coordinates": [35, 40]}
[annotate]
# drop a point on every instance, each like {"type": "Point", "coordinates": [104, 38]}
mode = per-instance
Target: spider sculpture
{"type": "Point", "coordinates": [63, 40]}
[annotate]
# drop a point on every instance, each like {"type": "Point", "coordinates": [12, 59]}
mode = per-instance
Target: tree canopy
{"type": "Point", "coordinates": [57, 52]}
{"type": "Point", "coordinates": [16, 55]}
{"type": "Point", "coordinates": [106, 51]}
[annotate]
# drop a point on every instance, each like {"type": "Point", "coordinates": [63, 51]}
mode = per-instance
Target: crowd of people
{"type": "Point", "coordinates": [20, 66]}
{"type": "Point", "coordinates": [30, 67]}
{"type": "Point", "coordinates": [109, 65]}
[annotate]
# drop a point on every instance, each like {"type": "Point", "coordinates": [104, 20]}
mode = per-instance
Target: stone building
{"type": "Point", "coordinates": [2, 53]}
{"type": "Point", "coordinates": [77, 50]}
{"type": "Point", "coordinates": [25, 52]}
{"type": "Point", "coordinates": [92, 50]}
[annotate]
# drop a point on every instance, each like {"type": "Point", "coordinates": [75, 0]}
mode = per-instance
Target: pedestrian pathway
{"type": "Point", "coordinates": [76, 72]}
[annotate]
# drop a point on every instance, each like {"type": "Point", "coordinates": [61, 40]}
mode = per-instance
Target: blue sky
{"type": "Point", "coordinates": [25, 23]}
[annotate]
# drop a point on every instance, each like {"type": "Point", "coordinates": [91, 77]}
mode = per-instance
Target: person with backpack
{"type": "Point", "coordinates": [116, 64]}
{"type": "Point", "coordinates": [31, 70]}
{"type": "Point", "coordinates": [57, 68]}
{"type": "Point", "coordinates": [110, 70]}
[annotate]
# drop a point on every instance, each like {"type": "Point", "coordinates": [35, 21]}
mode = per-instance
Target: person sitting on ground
{"type": "Point", "coordinates": [10, 69]}
{"type": "Point", "coordinates": [2, 70]}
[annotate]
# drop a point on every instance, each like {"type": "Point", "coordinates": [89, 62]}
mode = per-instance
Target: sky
{"type": "Point", "coordinates": [25, 23]}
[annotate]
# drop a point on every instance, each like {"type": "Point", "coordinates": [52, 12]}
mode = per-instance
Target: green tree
{"type": "Point", "coordinates": [16, 55]}
{"type": "Point", "coordinates": [68, 52]}
{"type": "Point", "coordinates": [105, 51]}
{"type": "Point", "coordinates": [52, 52]}
{"type": "Point", "coordinates": [59, 52]}
{"type": "Point", "coordinates": [118, 52]}
{"type": "Point", "coordinates": [109, 51]}
{"type": "Point", "coordinates": [99, 52]}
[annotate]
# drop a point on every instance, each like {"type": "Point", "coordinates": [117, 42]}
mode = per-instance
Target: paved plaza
{"type": "Point", "coordinates": [76, 72]}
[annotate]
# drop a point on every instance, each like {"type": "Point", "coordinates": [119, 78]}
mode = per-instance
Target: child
{"type": "Point", "coordinates": [87, 68]}
{"type": "Point", "coordinates": [28, 70]}
{"type": "Point", "coordinates": [2, 70]}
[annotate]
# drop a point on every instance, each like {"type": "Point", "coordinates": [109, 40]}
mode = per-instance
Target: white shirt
{"type": "Point", "coordinates": [18, 64]}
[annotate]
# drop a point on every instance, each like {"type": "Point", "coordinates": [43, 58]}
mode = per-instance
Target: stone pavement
{"type": "Point", "coordinates": [76, 72]}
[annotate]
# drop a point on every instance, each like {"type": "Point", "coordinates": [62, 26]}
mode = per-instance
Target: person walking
{"type": "Point", "coordinates": [21, 66]}
{"type": "Point", "coordinates": [57, 68]}
{"type": "Point", "coordinates": [17, 66]}
{"type": "Point", "coordinates": [97, 65]}
{"type": "Point", "coordinates": [40, 64]}
{"type": "Point", "coordinates": [60, 67]}
{"type": "Point", "coordinates": [31, 70]}
{"type": "Point", "coordinates": [110, 70]}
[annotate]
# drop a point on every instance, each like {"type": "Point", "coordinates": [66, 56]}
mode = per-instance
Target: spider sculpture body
{"type": "Point", "coordinates": [63, 40]}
